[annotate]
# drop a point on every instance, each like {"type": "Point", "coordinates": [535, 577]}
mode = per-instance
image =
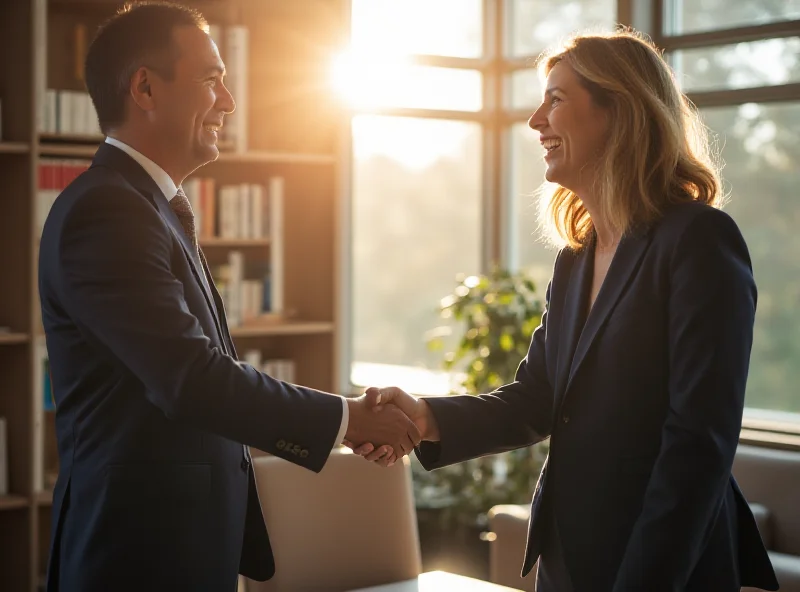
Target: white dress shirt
{"type": "Point", "coordinates": [170, 190]}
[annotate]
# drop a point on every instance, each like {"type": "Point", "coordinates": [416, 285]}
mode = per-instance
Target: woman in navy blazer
{"type": "Point", "coordinates": [637, 372]}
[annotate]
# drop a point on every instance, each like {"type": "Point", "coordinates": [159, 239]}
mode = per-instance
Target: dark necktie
{"type": "Point", "coordinates": [183, 209]}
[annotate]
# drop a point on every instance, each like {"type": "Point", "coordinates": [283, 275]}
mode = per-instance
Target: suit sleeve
{"type": "Point", "coordinates": [116, 282]}
{"type": "Point", "coordinates": [515, 415]}
{"type": "Point", "coordinates": [712, 305]}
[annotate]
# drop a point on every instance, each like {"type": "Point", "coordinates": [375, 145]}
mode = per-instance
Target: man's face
{"type": "Point", "coordinates": [189, 108]}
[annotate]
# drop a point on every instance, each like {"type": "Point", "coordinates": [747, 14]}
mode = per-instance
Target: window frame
{"type": "Point", "coordinates": [498, 236]}
{"type": "Point", "coordinates": [774, 429]}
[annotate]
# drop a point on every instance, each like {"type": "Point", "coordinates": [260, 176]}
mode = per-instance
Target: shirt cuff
{"type": "Point", "coordinates": [345, 422]}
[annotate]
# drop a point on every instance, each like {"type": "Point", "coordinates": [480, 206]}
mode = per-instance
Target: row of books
{"type": "Point", "coordinates": [233, 43]}
{"type": "Point", "coordinates": [3, 457]}
{"type": "Point", "coordinates": [241, 211]}
{"type": "Point", "coordinates": [278, 368]}
{"type": "Point", "coordinates": [43, 403]}
{"type": "Point", "coordinates": [54, 175]}
{"type": "Point", "coordinates": [71, 111]}
{"type": "Point", "coordinates": [249, 288]}
{"type": "Point", "coordinates": [68, 112]}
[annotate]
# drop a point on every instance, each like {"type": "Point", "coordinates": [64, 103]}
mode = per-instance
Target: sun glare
{"type": "Point", "coordinates": [369, 80]}
{"type": "Point", "coordinates": [378, 72]}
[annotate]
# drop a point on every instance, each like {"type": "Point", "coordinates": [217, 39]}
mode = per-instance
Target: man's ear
{"type": "Point", "coordinates": [141, 90]}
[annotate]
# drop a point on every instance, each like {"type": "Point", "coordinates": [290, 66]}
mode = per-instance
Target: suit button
{"type": "Point", "coordinates": [245, 464]}
{"type": "Point", "coordinates": [565, 418]}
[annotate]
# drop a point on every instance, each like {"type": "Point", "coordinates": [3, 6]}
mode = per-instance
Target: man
{"type": "Point", "coordinates": [156, 490]}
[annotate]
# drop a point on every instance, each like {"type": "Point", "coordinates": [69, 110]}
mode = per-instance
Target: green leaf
{"type": "Point", "coordinates": [506, 342]}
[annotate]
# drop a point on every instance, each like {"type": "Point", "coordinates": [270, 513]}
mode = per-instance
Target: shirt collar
{"type": "Point", "coordinates": [159, 175]}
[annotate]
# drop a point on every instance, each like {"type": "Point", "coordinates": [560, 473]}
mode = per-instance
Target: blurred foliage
{"type": "Point", "coordinates": [499, 312]}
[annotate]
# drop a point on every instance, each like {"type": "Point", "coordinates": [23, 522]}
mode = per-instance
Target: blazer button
{"type": "Point", "coordinates": [565, 418]}
{"type": "Point", "coordinates": [245, 464]}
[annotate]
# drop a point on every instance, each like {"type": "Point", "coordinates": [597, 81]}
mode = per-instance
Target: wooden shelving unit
{"type": "Point", "coordinates": [13, 502]}
{"type": "Point", "coordinates": [276, 158]}
{"type": "Point", "coordinates": [284, 328]}
{"type": "Point", "coordinates": [44, 498]}
{"type": "Point", "coordinates": [234, 243]}
{"type": "Point", "coordinates": [13, 338]}
{"type": "Point", "coordinates": [69, 148]}
{"type": "Point", "coordinates": [294, 128]}
{"type": "Point", "coordinates": [14, 148]}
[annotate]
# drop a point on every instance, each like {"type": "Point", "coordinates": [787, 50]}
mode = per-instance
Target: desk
{"type": "Point", "coordinates": [439, 581]}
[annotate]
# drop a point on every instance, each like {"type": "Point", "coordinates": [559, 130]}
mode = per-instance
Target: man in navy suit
{"type": "Point", "coordinates": [154, 412]}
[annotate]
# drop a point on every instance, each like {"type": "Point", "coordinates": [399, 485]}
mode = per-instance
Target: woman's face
{"type": "Point", "coordinates": [572, 130]}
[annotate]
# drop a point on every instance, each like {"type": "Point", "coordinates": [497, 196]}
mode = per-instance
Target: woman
{"type": "Point", "coordinates": [637, 372]}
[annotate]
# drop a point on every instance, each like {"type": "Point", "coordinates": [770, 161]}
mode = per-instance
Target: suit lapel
{"type": "Point", "coordinates": [625, 262]}
{"type": "Point", "coordinates": [111, 157]}
{"type": "Point", "coordinates": [228, 340]}
{"type": "Point", "coordinates": [572, 321]}
{"type": "Point", "coordinates": [191, 255]}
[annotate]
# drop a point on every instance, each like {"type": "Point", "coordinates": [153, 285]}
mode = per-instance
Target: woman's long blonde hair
{"type": "Point", "coordinates": [658, 150]}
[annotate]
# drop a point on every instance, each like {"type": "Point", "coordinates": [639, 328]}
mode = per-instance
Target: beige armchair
{"type": "Point", "coordinates": [351, 526]}
{"type": "Point", "coordinates": [509, 524]}
{"type": "Point", "coordinates": [769, 478]}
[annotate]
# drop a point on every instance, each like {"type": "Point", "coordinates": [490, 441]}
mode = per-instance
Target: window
{"type": "Point", "coordinates": [738, 65]}
{"type": "Point", "coordinates": [416, 217]}
{"type": "Point", "coordinates": [526, 168]}
{"type": "Point", "coordinates": [381, 84]}
{"type": "Point", "coordinates": [762, 171]}
{"type": "Point", "coordinates": [441, 167]}
{"type": "Point", "coordinates": [692, 16]}
{"type": "Point", "coordinates": [435, 27]}
{"type": "Point", "coordinates": [526, 90]}
{"type": "Point", "coordinates": [537, 24]}
{"type": "Point", "coordinates": [416, 224]}
{"type": "Point", "coordinates": [745, 77]}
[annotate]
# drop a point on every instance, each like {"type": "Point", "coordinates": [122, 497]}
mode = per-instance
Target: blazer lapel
{"type": "Point", "coordinates": [625, 262]}
{"type": "Point", "coordinates": [574, 317]}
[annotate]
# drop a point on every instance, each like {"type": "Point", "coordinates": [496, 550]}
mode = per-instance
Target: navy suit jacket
{"type": "Point", "coordinates": [155, 489]}
{"type": "Point", "coordinates": [642, 400]}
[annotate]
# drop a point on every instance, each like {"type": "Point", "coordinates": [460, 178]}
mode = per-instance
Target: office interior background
{"type": "Point", "coordinates": [384, 145]}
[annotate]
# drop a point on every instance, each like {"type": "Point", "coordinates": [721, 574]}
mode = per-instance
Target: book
{"type": "Point", "coordinates": [3, 457]}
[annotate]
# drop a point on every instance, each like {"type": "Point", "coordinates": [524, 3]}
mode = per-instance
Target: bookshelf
{"type": "Point", "coordinates": [294, 133]}
{"type": "Point", "coordinates": [14, 148]}
{"type": "Point", "coordinates": [13, 338]}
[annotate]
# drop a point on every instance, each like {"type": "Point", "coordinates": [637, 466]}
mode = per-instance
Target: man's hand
{"type": "Point", "coordinates": [390, 427]}
{"type": "Point", "coordinates": [381, 400]}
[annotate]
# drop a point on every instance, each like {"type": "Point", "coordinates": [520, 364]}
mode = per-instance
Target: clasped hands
{"type": "Point", "coordinates": [387, 423]}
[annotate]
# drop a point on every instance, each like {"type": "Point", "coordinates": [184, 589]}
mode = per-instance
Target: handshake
{"type": "Point", "coordinates": [387, 423]}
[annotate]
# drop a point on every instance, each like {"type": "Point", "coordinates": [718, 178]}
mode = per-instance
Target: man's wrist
{"type": "Point", "coordinates": [352, 409]}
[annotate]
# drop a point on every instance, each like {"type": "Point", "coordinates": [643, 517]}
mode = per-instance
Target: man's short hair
{"type": "Point", "coordinates": [140, 34]}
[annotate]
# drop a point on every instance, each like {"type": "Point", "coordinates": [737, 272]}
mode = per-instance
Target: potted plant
{"type": "Point", "coordinates": [498, 312]}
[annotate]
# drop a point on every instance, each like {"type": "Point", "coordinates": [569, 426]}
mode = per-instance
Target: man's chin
{"type": "Point", "coordinates": [208, 153]}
